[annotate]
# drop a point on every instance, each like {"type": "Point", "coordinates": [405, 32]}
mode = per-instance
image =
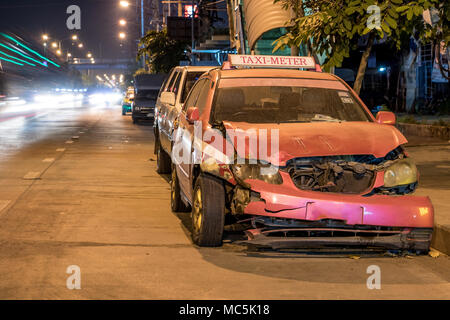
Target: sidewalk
{"type": "Point", "coordinates": [432, 157]}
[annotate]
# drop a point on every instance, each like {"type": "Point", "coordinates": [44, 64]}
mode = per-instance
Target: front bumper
{"type": "Point", "coordinates": [289, 202]}
{"type": "Point", "coordinates": [146, 114]}
{"type": "Point", "coordinates": [322, 238]}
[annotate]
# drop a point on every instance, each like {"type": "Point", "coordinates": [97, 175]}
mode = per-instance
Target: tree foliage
{"type": "Point", "coordinates": [334, 27]}
{"type": "Point", "coordinates": [161, 53]}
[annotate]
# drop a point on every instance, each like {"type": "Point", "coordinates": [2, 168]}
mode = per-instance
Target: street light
{"type": "Point", "coordinates": [54, 45]}
{"type": "Point", "coordinates": [45, 37]}
{"type": "Point", "coordinates": [74, 37]}
{"type": "Point", "coordinates": [58, 52]}
{"type": "Point", "coordinates": [89, 55]}
{"type": "Point", "coordinates": [80, 45]}
{"type": "Point", "coordinates": [126, 4]}
{"type": "Point", "coordinates": [122, 22]}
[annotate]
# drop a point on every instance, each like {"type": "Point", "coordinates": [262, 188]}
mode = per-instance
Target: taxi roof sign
{"type": "Point", "coordinates": [272, 61]}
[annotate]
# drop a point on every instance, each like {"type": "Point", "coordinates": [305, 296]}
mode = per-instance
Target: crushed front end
{"type": "Point", "coordinates": [356, 201]}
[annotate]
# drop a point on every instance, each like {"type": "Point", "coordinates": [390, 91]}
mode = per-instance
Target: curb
{"type": "Point", "coordinates": [424, 130]}
{"type": "Point", "coordinates": [441, 239]}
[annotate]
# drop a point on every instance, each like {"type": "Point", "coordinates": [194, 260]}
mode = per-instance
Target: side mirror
{"type": "Point", "coordinates": [168, 97]}
{"type": "Point", "coordinates": [192, 115]}
{"type": "Point", "coordinates": [386, 117]}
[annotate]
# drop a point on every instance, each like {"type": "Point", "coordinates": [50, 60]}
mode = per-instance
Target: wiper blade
{"type": "Point", "coordinates": [323, 117]}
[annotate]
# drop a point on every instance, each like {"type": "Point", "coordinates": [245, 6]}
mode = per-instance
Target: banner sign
{"type": "Point", "coordinates": [272, 61]}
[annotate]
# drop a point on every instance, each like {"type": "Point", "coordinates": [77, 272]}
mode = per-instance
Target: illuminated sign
{"type": "Point", "coordinates": [188, 11]}
{"type": "Point", "coordinates": [272, 61]}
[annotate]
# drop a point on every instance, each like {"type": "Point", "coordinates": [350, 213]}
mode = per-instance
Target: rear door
{"type": "Point", "coordinates": [165, 111]}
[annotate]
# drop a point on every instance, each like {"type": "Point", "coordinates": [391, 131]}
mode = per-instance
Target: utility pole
{"type": "Point", "coordinates": [192, 34]}
{"type": "Point", "coordinates": [142, 30]}
{"type": "Point", "coordinates": [180, 9]}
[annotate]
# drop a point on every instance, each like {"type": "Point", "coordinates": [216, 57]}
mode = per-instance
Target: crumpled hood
{"type": "Point", "coordinates": [315, 139]}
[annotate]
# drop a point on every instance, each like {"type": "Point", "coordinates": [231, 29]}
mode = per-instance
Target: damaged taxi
{"type": "Point", "coordinates": [296, 157]}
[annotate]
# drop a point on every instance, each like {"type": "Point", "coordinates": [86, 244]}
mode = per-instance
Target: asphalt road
{"type": "Point", "coordinates": [78, 186]}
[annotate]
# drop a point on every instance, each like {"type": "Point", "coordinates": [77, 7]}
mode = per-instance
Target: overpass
{"type": "Point", "coordinates": [102, 66]}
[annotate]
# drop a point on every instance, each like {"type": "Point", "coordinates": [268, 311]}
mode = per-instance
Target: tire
{"type": "Point", "coordinates": [163, 161]}
{"type": "Point", "coordinates": [134, 120]}
{"type": "Point", "coordinates": [123, 112]}
{"type": "Point", "coordinates": [208, 212]}
{"type": "Point", "coordinates": [176, 203]}
{"type": "Point", "coordinates": [157, 143]}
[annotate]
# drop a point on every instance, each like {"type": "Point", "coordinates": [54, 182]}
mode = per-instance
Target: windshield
{"type": "Point", "coordinates": [279, 104]}
{"type": "Point", "coordinates": [147, 94]}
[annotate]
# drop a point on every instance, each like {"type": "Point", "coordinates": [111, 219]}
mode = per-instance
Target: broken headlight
{"type": "Point", "coordinates": [400, 173]}
{"type": "Point", "coordinates": [264, 172]}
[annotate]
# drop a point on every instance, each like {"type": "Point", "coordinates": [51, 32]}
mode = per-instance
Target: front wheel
{"type": "Point", "coordinates": [208, 212]}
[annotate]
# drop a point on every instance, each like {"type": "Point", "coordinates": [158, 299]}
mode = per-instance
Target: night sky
{"type": "Point", "coordinates": [99, 27]}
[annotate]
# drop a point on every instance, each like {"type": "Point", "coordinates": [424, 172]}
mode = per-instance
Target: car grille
{"type": "Point", "coordinates": [331, 174]}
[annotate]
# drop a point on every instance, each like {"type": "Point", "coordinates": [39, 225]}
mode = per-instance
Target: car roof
{"type": "Point", "coordinates": [276, 73]}
{"type": "Point", "coordinates": [197, 68]}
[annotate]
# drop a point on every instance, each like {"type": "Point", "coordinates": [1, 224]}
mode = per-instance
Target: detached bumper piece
{"type": "Point", "coordinates": [338, 238]}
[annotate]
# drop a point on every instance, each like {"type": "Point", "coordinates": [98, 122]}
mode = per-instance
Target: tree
{"type": "Point", "coordinates": [437, 31]}
{"type": "Point", "coordinates": [161, 53]}
{"type": "Point", "coordinates": [334, 27]}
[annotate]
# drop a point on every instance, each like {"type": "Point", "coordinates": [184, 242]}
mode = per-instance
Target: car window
{"type": "Point", "coordinates": [163, 86]}
{"type": "Point", "coordinates": [176, 86]}
{"type": "Point", "coordinates": [201, 101]}
{"type": "Point", "coordinates": [191, 78]}
{"type": "Point", "coordinates": [171, 80]}
{"type": "Point", "coordinates": [193, 95]}
{"type": "Point", "coordinates": [146, 95]}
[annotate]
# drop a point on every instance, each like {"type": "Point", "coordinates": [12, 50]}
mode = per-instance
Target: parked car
{"type": "Point", "coordinates": [172, 95]}
{"type": "Point", "coordinates": [147, 87]}
{"type": "Point", "coordinates": [335, 176]}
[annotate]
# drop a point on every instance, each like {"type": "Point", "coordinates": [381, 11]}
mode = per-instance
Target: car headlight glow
{"type": "Point", "coordinates": [266, 173]}
{"type": "Point", "coordinates": [401, 173]}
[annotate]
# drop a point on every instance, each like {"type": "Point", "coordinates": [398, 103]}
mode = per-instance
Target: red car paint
{"type": "Point", "coordinates": [308, 140]}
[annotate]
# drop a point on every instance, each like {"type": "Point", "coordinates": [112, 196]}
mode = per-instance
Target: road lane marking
{"type": "Point", "coordinates": [4, 204]}
{"type": "Point", "coordinates": [76, 137]}
{"type": "Point", "coordinates": [48, 160]}
{"type": "Point", "coordinates": [32, 175]}
{"type": "Point", "coordinates": [443, 167]}
{"type": "Point", "coordinates": [69, 141]}
{"type": "Point", "coordinates": [60, 149]}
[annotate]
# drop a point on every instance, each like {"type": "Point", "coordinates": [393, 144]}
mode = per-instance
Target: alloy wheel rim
{"type": "Point", "coordinates": [197, 210]}
{"type": "Point", "coordinates": [172, 184]}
